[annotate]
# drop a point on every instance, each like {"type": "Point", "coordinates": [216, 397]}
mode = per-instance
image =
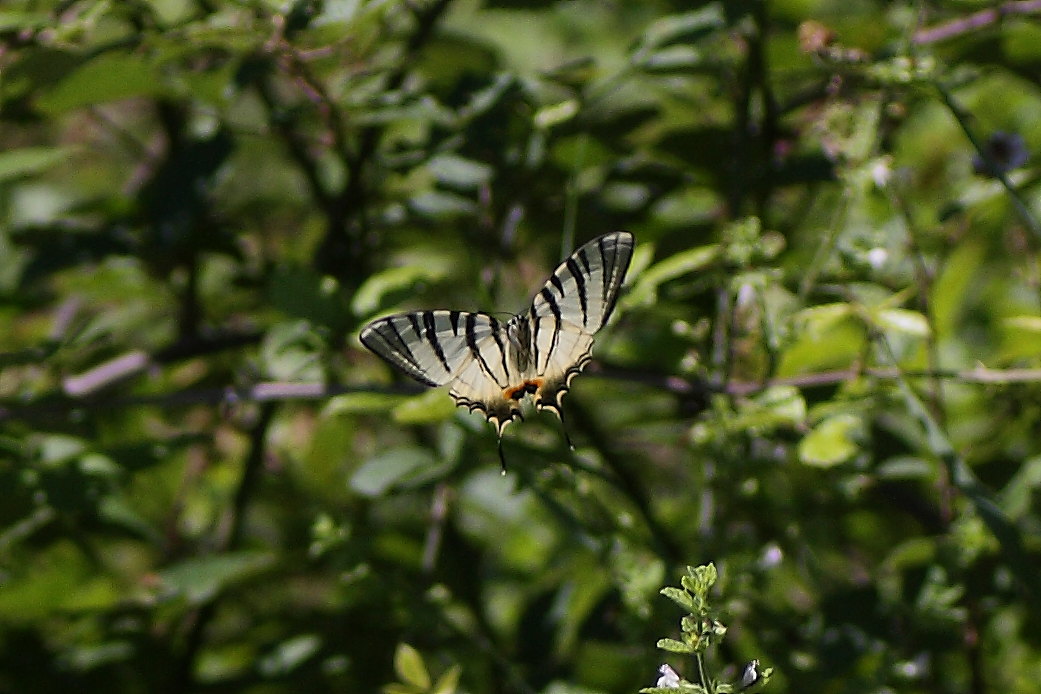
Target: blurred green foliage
{"type": "Point", "coordinates": [823, 377]}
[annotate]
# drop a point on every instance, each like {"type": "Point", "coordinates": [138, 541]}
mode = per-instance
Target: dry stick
{"type": "Point", "coordinates": [975, 21]}
{"type": "Point", "coordinates": [274, 391]}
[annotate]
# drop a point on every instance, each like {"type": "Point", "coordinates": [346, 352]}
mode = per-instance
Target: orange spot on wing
{"type": "Point", "coordinates": [531, 386]}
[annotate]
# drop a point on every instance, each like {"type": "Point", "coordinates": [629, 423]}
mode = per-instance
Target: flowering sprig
{"type": "Point", "coordinates": [699, 630]}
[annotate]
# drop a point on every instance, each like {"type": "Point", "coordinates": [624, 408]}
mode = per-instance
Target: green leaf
{"type": "Point", "coordinates": [817, 320]}
{"type": "Point", "coordinates": [902, 321]}
{"type": "Point", "coordinates": [408, 664]}
{"type": "Point", "coordinates": [686, 207]}
{"type": "Point", "coordinates": [200, 578]}
{"type": "Point", "coordinates": [680, 597]}
{"type": "Point", "coordinates": [959, 277]}
{"type": "Point", "coordinates": [13, 20]}
{"type": "Point", "coordinates": [293, 351]}
{"type": "Point", "coordinates": [389, 468]}
{"type": "Point", "coordinates": [459, 172]}
{"type": "Point", "coordinates": [784, 404]}
{"type": "Point", "coordinates": [432, 406]}
{"type": "Point", "coordinates": [555, 114]}
{"type": "Point", "coordinates": [1022, 489]}
{"type": "Point", "coordinates": [645, 288]}
{"type": "Point", "coordinates": [387, 287]}
{"type": "Point", "coordinates": [686, 27]}
{"type": "Point", "coordinates": [448, 682]}
{"type": "Point", "coordinates": [360, 403]}
{"type": "Point", "coordinates": [1029, 324]}
{"type": "Point", "coordinates": [832, 441]}
{"type": "Point", "coordinates": [289, 655]}
{"type": "Point", "coordinates": [703, 578]}
{"type": "Point", "coordinates": [672, 59]}
{"type": "Point", "coordinates": [442, 205]}
{"type": "Point", "coordinates": [674, 646]}
{"type": "Point", "coordinates": [108, 77]}
{"type": "Point", "coordinates": [25, 161]}
{"type": "Point", "coordinates": [299, 292]}
{"type": "Point", "coordinates": [54, 579]}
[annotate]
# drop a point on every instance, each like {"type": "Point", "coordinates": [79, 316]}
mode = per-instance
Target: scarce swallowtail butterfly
{"type": "Point", "coordinates": [492, 365]}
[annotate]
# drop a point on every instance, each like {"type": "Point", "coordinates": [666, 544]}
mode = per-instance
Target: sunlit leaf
{"type": "Point", "coordinates": [30, 160]}
{"type": "Point", "coordinates": [549, 116]}
{"type": "Point", "coordinates": [15, 20]}
{"type": "Point", "coordinates": [448, 683]}
{"type": "Point", "coordinates": [459, 172]}
{"type": "Point", "coordinates": [442, 205]}
{"type": "Point", "coordinates": [289, 655]}
{"type": "Point", "coordinates": [293, 351]}
{"type": "Point", "coordinates": [687, 262]}
{"type": "Point", "coordinates": [903, 321]}
{"type": "Point", "coordinates": [409, 666]}
{"type": "Point", "coordinates": [832, 441]}
{"type": "Point", "coordinates": [685, 27]}
{"type": "Point", "coordinates": [360, 403]}
{"type": "Point", "coordinates": [674, 646]}
{"type": "Point", "coordinates": [389, 468]}
{"type": "Point", "coordinates": [388, 286]}
{"type": "Point", "coordinates": [434, 405]}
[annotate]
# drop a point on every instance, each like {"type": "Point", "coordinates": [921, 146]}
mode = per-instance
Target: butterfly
{"type": "Point", "coordinates": [492, 365]}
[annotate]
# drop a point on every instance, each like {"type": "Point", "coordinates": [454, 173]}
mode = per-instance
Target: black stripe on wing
{"type": "Point", "coordinates": [430, 332]}
{"type": "Point", "coordinates": [617, 251]}
{"type": "Point", "coordinates": [580, 282]}
{"type": "Point", "coordinates": [475, 349]}
{"type": "Point", "coordinates": [431, 346]}
{"type": "Point", "coordinates": [386, 339]}
{"type": "Point", "coordinates": [584, 288]}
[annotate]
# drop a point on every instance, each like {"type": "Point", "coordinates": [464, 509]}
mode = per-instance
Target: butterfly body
{"type": "Point", "coordinates": [492, 365]}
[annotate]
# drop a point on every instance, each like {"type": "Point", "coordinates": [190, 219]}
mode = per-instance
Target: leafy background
{"type": "Point", "coordinates": [823, 376]}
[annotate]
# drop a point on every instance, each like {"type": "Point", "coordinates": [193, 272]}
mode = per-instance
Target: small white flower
{"type": "Point", "coordinates": [877, 257]}
{"type": "Point", "coordinates": [751, 674]}
{"type": "Point", "coordinates": [881, 172]}
{"type": "Point", "coordinates": [669, 677]}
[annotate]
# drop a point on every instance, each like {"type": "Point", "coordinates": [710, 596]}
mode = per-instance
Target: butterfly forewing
{"type": "Point", "coordinates": [431, 346]}
{"type": "Point", "coordinates": [583, 290]}
{"type": "Point", "coordinates": [576, 301]}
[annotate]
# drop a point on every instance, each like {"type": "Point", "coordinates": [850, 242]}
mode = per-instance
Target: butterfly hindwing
{"type": "Point", "coordinates": [466, 350]}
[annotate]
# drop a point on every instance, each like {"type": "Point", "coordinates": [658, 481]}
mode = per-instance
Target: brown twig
{"type": "Point", "coordinates": [679, 385]}
{"type": "Point", "coordinates": [975, 21]}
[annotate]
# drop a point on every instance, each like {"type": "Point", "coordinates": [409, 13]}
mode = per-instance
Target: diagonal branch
{"type": "Point", "coordinates": [976, 21]}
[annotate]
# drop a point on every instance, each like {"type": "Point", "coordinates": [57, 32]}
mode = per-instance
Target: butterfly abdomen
{"type": "Point", "coordinates": [529, 387]}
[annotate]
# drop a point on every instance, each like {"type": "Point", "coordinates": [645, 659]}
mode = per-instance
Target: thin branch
{"type": "Point", "coordinates": [975, 21]}
{"type": "Point", "coordinates": [686, 387]}
{"type": "Point", "coordinates": [992, 168]}
{"type": "Point", "coordinates": [629, 484]}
